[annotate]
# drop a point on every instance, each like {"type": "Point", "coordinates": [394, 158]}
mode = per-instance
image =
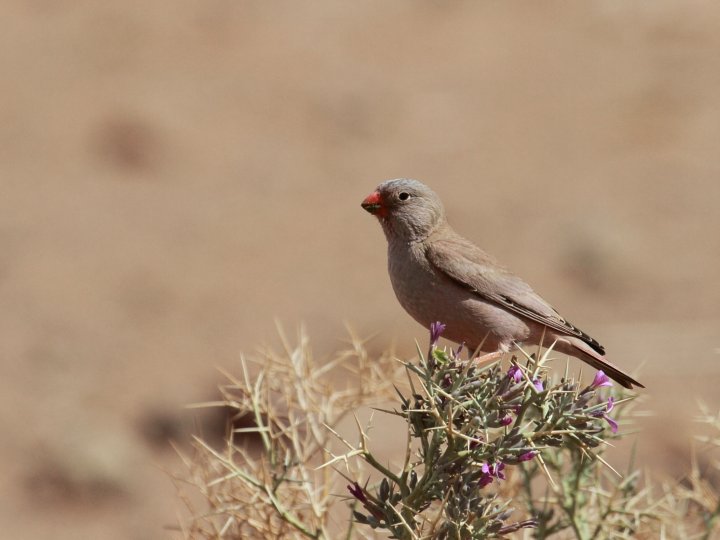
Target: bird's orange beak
{"type": "Point", "coordinates": [372, 203]}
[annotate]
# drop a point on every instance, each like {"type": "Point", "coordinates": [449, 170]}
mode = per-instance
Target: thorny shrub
{"type": "Point", "coordinates": [499, 449]}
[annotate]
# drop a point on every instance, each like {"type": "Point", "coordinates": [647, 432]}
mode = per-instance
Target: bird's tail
{"type": "Point", "coordinates": [590, 356]}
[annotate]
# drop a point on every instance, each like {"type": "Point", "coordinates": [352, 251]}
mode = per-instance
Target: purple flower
{"type": "Point", "coordinates": [506, 420]}
{"type": "Point", "coordinates": [538, 384]}
{"type": "Point", "coordinates": [491, 472]}
{"type": "Point", "coordinates": [527, 456]}
{"type": "Point", "coordinates": [357, 492]}
{"type": "Point", "coordinates": [436, 329]}
{"type": "Point", "coordinates": [601, 380]}
{"type": "Point", "coordinates": [610, 406]}
{"type": "Point", "coordinates": [485, 480]}
{"type": "Point", "coordinates": [604, 414]}
{"type": "Point", "coordinates": [613, 424]}
{"type": "Point", "coordinates": [515, 373]}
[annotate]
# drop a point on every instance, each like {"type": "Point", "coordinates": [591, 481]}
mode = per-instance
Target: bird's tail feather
{"type": "Point", "coordinates": [593, 358]}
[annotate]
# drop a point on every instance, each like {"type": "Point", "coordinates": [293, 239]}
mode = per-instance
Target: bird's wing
{"type": "Point", "coordinates": [472, 268]}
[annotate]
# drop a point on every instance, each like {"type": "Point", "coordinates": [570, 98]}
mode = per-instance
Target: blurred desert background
{"type": "Point", "coordinates": [174, 176]}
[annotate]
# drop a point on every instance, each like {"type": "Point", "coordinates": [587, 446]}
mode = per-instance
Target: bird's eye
{"type": "Point", "coordinates": [404, 196]}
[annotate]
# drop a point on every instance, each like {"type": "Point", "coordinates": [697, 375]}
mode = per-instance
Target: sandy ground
{"type": "Point", "coordinates": [175, 175]}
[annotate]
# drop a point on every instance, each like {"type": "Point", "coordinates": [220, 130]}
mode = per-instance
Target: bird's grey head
{"type": "Point", "coordinates": [408, 210]}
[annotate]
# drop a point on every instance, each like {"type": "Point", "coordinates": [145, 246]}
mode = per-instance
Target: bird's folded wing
{"type": "Point", "coordinates": [469, 266]}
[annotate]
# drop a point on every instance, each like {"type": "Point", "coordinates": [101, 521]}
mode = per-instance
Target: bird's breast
{"type": "Point", "coordinates": [428, 295]}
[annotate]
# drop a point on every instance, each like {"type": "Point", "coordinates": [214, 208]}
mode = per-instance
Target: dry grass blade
{"type": "Point", "coordinates": [281, 490]}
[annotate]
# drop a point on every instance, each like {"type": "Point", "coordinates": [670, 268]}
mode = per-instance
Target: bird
{"type": "Point", "coordinates": [438, 275]}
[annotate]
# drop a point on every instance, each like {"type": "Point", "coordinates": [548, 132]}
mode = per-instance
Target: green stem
{"type": "Point", "coordinates": [292, 519]}
{"type": "Point", "coordinates": [370, 459]}
{"type": "Point", "coordinates": [572, 511]}
{"type": "Point", "coordinates": [351, 525]}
